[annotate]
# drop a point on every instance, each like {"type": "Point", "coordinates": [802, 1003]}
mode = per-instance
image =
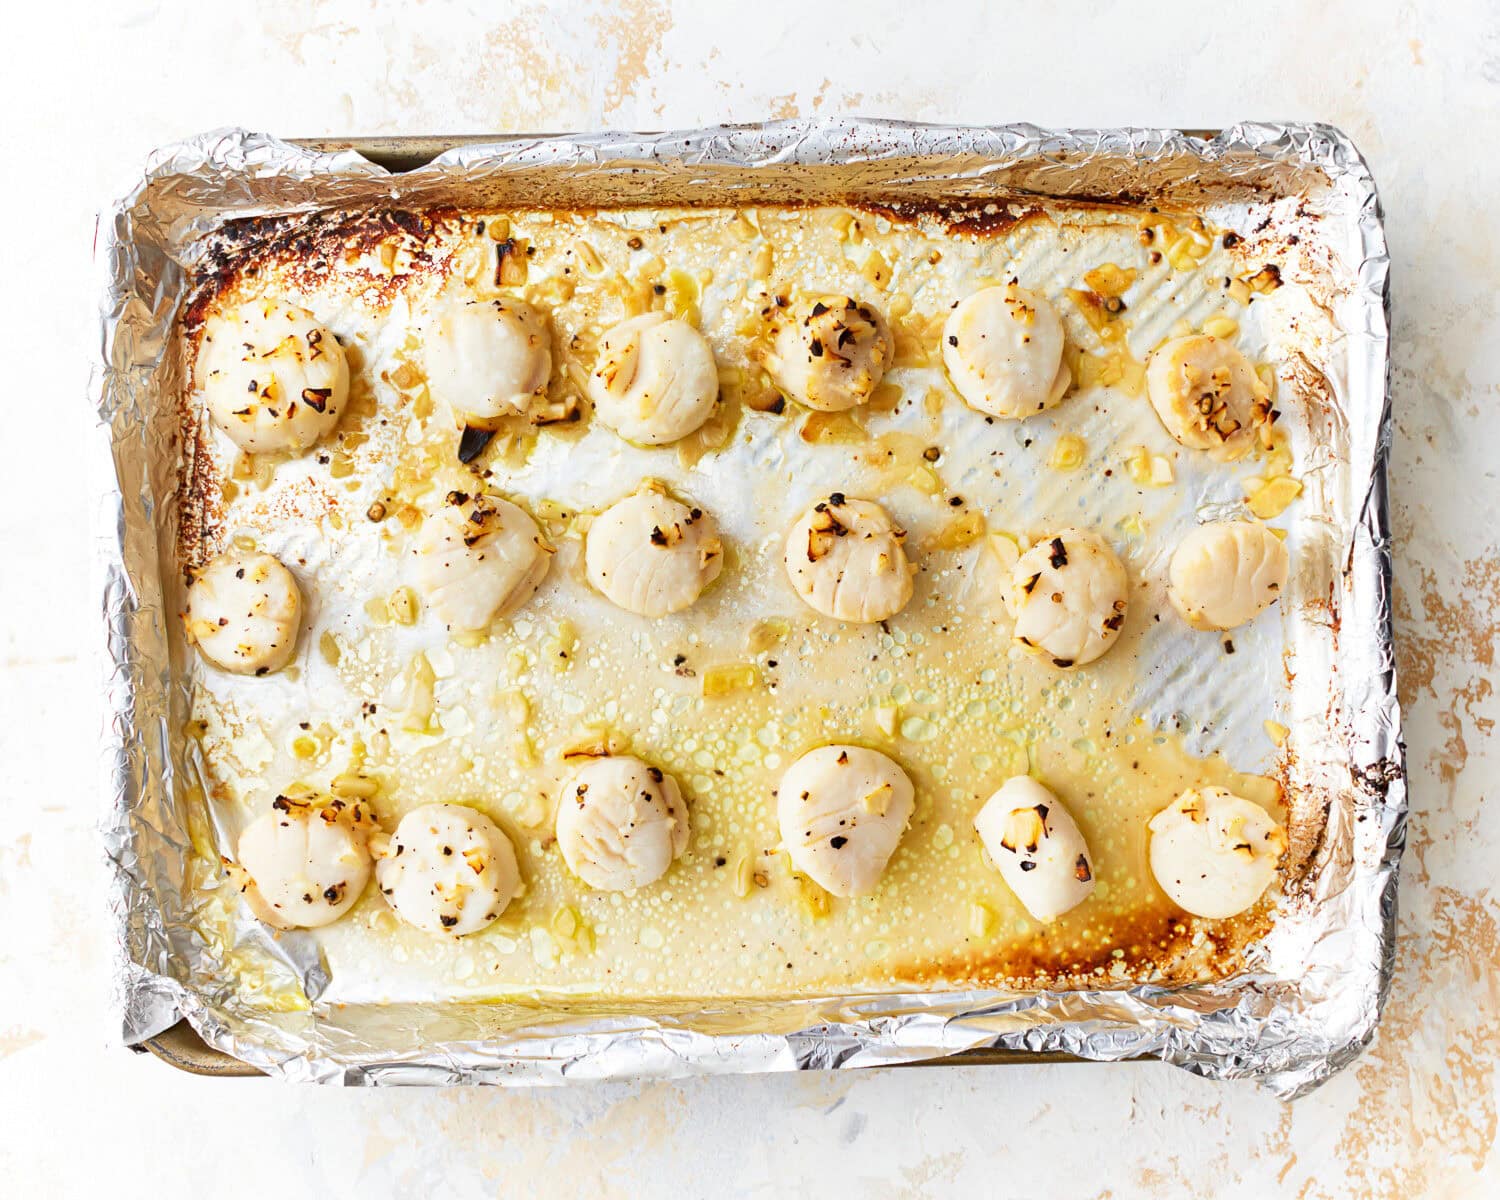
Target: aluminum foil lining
{"type": "Point", "coordinates": [1313, 997]}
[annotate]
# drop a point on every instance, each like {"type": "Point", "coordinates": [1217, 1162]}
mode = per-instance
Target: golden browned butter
{"type": "Point", "coordinates": [728, 693]}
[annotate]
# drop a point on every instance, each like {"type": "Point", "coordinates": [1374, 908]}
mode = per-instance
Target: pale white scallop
{"type": "Point", "coordinates": [830, 353]}
{"type": "Point", "coordinates": [655, 380]}
{"type": "Point", "coordinates": [273, 378]}
{"type": "Point", "coordinates": [651, 554]}
{"type": "Point", "coordinates": [243, 612]}
{"type": "Point", "coordinates": [486, 359]}
{"type": "Point", "coordinates": [1068, 596]}
{"type": "Point", "coordinates": [845, 559]}
{"type": "Point", "coordinates": [1208, 396]}
{"type": "Point", "coordinates": [479, 558]}
{"type": "Point", "coordinates": [1003, 350]}
{"type": "Point", "coordinates": [1226, 573]}
{"type": "Point", "coordinates": [1034, 842]}
{"type": "Point", "coordinates": [304, 863]}
{"type": "Point", "coordinates": [1215, 853]}
{"type": "Point", "coordinates": [447, 869]}
{"type": "Point", "coordinates": [620, 823]}
{"type": "Point", "coordinates": [842, 811]}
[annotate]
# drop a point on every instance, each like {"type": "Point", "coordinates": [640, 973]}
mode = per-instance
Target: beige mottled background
{"type": "Point", "coordinates": [87, 91]}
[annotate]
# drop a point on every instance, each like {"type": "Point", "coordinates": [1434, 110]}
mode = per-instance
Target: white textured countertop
{"type": "Point", "coordinates": [88, 91]}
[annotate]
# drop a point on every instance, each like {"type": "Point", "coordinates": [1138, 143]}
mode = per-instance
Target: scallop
{"type": "Point", "coordinates": [831, 353]}
{"type": "Point", "coordinates": [448, 869]}
{"type": "Point", "coordinates": [479, 558]}
{"type": "Point", "coordinates": [620, 823]}
{"type": "Point", "coordinates": [1068, 596]}
{"type": "Point", "coordinates": [273, 378]}
{"type": "Point", "coordinates": [1208, 396]}
{"type": "Point", "coordinates": [304, 863]}
{"type": "Point", "coordinates": [487, 359]}
{"type": "Point", "coordinates": [1033, 840]}
{"type": "Point", "coordinates": [655, 380]}
{"type": "Point", "coordinates": [1215, 853]}
{"type": "Point", "coordinates": [1003, 350]}
{"type": "Point", "coordinates": [243, 612]}
{"type": "Point", "coordinates": [1227, 573]}
{"type": "Point", "coordinates": [651, 554]}
{"type": "Point", "coordinates": [845, 559]}
{"type": "Point", "coordinates": [842, 811]}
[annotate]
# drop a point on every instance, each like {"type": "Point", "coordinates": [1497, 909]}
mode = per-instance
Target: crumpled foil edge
{"type": "Point", "coordinates": [1290, 1034]}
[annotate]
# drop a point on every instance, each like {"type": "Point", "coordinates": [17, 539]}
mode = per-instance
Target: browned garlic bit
{"type": "Point", "coordinates": [620, 823]}
{"type": "Point", "coordinates": [1209, 397]}
{"type": "Point", "coordinates": [274, 379]}
{"type": "Point", "coordinates": [1215, 853]}
{"type": "Point", "coordinates": [487, 359]}
{"type": "Point", "coordinates": [304, 863]}
{"type": "Point", "coordinates": [831, 353]}
{"type": "Point", "coordinates": [1003, 350]}
{"type": "Point", "coordinates": [1036, 845]}
{"type": "Point", "coordinates": [1227, 573]}
{"type": "Point", "coordinates": [1068, 596]}
{"type": "Point", "coordinates": [651, 554]}
{"type": "Point", "coordinates": [842, 811]}
{"type": "Point", "coordinates": [655, 380]}
{"type": "Point", "coordinates": [243, 612]}
{"type": "Point", "coordinates": [845, 559]}
{"type": "Point", "coordinates": [447, 869]}
{"type": "Point", "coordinates": [479, 558]}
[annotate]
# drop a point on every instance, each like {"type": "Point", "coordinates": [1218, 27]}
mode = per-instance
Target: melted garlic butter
{"type": "Point", "coordinates": [728, 693]}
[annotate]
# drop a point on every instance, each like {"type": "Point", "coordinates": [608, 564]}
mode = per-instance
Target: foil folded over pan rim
{"type": "Point", "coordinates": [1289, 1033]}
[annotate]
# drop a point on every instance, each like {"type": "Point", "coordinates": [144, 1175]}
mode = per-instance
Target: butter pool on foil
{"type": "Point", "coordinates": [1309, 993]}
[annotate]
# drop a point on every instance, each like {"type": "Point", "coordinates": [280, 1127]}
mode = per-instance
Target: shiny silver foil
{"type": "Point", "coordinates": [1313, 995]}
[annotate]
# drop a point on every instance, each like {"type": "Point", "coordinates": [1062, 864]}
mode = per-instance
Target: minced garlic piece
{"type": "Point", "coordinates": [1266, 280]}
{"type": "Point", "coordinates": [879, 800]}
{"type": "Point", "coordinates": [590, 258]}
{"type": "Point", "coordinates": [560, 648]}
{"type": "Point", "coordinates": [1115, 367]}
{"type": "Point", "coordinates": [744, 875]}
{"type": "Point", "coordinates": [760, 265]}
{"type": "Point", "coordinates": [682, 295]}
{"type": "Point", "coordinates": [825, 428]}
{"type": "Point", "coordinates": [1110, 281]}
{"type": "Point", "coordinates": [328, 647]}
{"type": "Point", "coordinates": [812, 899]}
{"type": "Point", "coordinates": [420, 699]}
{"type": "Point", "coordinates": [1273, 497]}
{"type": "Point", "coordinates": [403, 606]}
{"type": "Point", "coordinates": [766, 633]}
{"type": "Point", "coordinates": [353, 787]}
{"type": "Point", "coordinates": [1147, 469]}
{"type": "Point", "coordinates": [565, 922]}
{"type": "Point", "coordinates": [1067, 453]}
{"type": "Point", "coordinates": [726, 679]}
{"type": "Point", "coordinates": [407, 377]}
{"type": "Point", "coordinates": [964, 530]}
{"type": "Point", "coordinates": [1006, 549]}
{"type": "Point", "coordinates": [876, 269]}
{"type": "Point", "coordinates": [925, 480]}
